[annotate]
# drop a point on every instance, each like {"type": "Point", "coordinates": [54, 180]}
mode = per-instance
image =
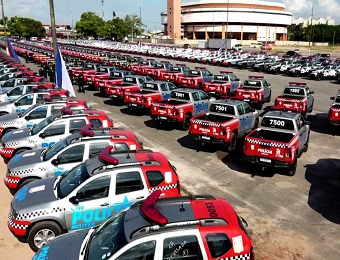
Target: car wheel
{"type": "Point", "coordinates": [186, 123]}
{"type": "Point", "coordinates": [41, 233]}
{"type": "Point", "coordinates": [292, 170]}
{"type": "Point", "coordinates": [318, 77]}
{"type": "Point", "coordinates": [233, 143]}
{"type": "Point", "coordinates": [243, 66]}
{"type": "Point", "coordinates": [26, 181]}
{"type": "Point", "coordinates": [259, 106]}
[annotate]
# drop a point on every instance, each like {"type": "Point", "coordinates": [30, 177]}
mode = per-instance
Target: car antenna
{"type": "Point", "coordinates": [128, 154]}
{"type": "Point", "coordinates": [181, 208]}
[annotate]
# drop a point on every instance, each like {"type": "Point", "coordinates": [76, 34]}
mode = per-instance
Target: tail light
{"type": "Point", "coordinates": [288, 153]}
{"type": "Point", "coordinates": [143, 99]}
{"type": "Point", "coordinates": [175, 112]}
{"type": "Point", "coordinates": [179, 187]}
{"type": "Point", "coordinates": [223, 131]}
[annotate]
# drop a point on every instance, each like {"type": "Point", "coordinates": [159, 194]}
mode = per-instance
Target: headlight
{"type": "Point", "coordinates": [13, 213]}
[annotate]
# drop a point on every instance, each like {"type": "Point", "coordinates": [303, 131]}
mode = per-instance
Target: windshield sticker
{"type": "Point", "coordinates": [43, 254]}
{"type": "Point", "coordinates": [238, 244]}
{"type": "Point", "coordinates": [36, 189]}
{"type": "Point", "coordinates": [21, 194]}
{"type": "Point", "coordinates": [28, 154]}
{"type": "Point", "coordinates": [47, 144]}
{"type": "Point", "coordinates": [60, 170]}
{"type": "Point", "coordinates": [82, 218]}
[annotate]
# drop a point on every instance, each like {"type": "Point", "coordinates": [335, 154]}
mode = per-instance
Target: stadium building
{"type": "Point", "coordinates": [238, 19]}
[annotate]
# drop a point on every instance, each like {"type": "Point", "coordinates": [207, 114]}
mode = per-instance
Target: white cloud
{"type": "Point", "coordinates": [328, 7]}
{"type": "Point", "coordinates": [36, 9]}
{"type": "Point", "coordinates": [297, 6]}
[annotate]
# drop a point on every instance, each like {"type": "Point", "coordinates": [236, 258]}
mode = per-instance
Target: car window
{"type": "Point", "coordinates": [25, 101]}
{"type": "Point", "coordinates": [128, 182]}
{"type": "Point", "coordinates": [95, 189]}
{"type": "Point", "coordinates": [56, 109]}
{"type": "Point", "coordinates": [247, 108]}
{"type": "Point", "coordinates": [143, 251]}
{"type": "Point", "coordinates": [55, 129]}
{"type": "Point", "coordinates": [195, 96]}
{"type": "Point", "coordinates": [121, 147]}
{"type": "Point", "coordinates": [240, 109]}
{"type": "Point", "coordinates": [76, 124]}
{"type": "Point", "coordinates": [182, 247]}
{"type": "Point", "coordinates": [95, 123]}
{"type": "Point", "coordinates": [29, 88]}
{"type": "Point", "coordinates": [18, 91]}
{"type": "Point", "coordinates": [218, 244]}
{"type": "Point", "coordinates": [40, 98]}
{"type": "Point", "coordinates": [96, 148]}
{"type": "Point", "coordinates": [203, 95]}
{"type": "Point", "coordinates": [38, 113]}
{"type": "Point", "coordinates": [154, 177]}
{"type": "Point", "coordinates": [164, 87]}
{"type": "Point", "coordinates": [171, 86]}
{"type": "Point", "coordinates": [72, 155]}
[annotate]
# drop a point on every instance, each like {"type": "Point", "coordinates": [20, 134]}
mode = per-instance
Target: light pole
{"type": "Point", "coordinates": [102, 8]}
{"type": "Point", "coordinates": [227, 29]}
{"type": "Point", "coordinates": [311, 28]}
{"type": "Point", "coordinates": [140, 10]}
{"type": "Point", "coordinates": [72, 22]}
{"type": "Point", "coordinates": [3, 19]}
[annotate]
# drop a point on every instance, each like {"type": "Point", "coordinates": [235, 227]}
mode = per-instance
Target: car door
{"type": "Point", "coordinates": [52, 133]}
{"type": "Point", "coordinates": [303, 131]}
{"type": "Point", "coordinates": [310, 97]}
{"type": "Point", "coordinates": [36, 116]}
{"type": "Point", "coordinates": [23, 103]}
{"type": "Point", "coordinates": [89, 204]}
{"type": "Point", "coordinates": [250, 118]}
{"type": "Point", "coordinates": [165, 93]}
{"type": "Point", "coordinates": [242, 118]}
{"type": "Point", "coordinates": [66, 159]}
{"type": "Point", "coordinates": [235, 83]}
{"type": "Point", "coordinates": [145, 248]}
{"type": "Point", "coordinates": [15, 92]}
{"type": "Point", "coordinates": [267, 89]}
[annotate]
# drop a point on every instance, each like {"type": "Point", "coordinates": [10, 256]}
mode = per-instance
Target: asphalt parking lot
{"type": "Point", "coordinates": [289, 217]}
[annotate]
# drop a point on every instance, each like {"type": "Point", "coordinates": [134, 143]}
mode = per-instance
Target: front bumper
{"type": "Point", "coordinates": [18, 228]}
{"type": "Point", "coordinates": [266, 162]}
{"type": "Point", "coordinates": [6, 152]}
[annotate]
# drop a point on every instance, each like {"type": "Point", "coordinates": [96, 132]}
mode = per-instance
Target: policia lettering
{"type": "Point", "coordinates": [89, 218]}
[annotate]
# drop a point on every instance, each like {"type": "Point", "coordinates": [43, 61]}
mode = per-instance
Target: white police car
{"type": "Point", "coordinates": [16, 92]}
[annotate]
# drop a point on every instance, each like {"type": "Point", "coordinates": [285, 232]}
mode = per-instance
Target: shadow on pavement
{"type": "Point", "coordinates": [318, 124]}
{"type": "Point", "coordinates": [324, 193]}
{"type": "Point", "coordinates": [189, 143]}
{"type": "Point", "coordinates": [160, 125]}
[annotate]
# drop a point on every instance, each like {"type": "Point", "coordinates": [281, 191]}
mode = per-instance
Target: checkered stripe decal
{"type": "Point", "coordinates": [32, 141]}
{"type": "Point", "coordinates": [13, 144]}
{"type": "Point", "coordinates": [14, 225]}
{"type": "Point", "coordinates": [13, 181]}
{"type": "Point", "coordinates": [238, 257]}
{"type": "Point", "coordinates": [288, 100]}
{"type": "Point", "coordinates": [255, 141]}
{"type": "Point", "coordinates": [6, 124]}
{"type": "Point", "coordinates": [21, 172]}
{"type": "Point", "coordinates": [335, 109]}
{"type": "Point", "coordinates": [6, 151]}
{"type": "Point", "coordinates": [166, 187]}
{"type": "Point", "coordinates": [195, 121]}
{"type": "Point", "coordinates": [39, 213]}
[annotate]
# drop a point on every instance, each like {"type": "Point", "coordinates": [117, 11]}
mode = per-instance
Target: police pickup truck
{"type": "Point", "coordinates": [295, 97]}
{"type": "Point", "coordinates": [37, 113]}
{"type": "Point", "coordinates": [88, 194]}
{"type": "Point", "coordinates": [195, 79]}
{"type": "Point", "coordinates": [255, 90]}
{"type": "Point", "coordinates": [181, 107]}
{"type": "Point", "coordinates": [116, 77]}
{"type": "Point", "coordinates": [279, 141]}
{"type": "Point", "coordinates": [149, 93]}
{"type": "Point", "coordinates": [102, 72]}
{"type": "Point", "coordinates": [222, 85]}
{"type": "Point", "coordinates": [175, 72]}
{"type": "Point", "coordinates": [226, 121]}
{"type": "Point", "coordinates": [66, 153]}
{"type": "Point", "coordinates": [50, 131]}
{"type": "Point", "coordinates": [334, 112]}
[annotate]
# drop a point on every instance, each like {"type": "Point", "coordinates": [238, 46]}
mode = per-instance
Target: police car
{"type": "Point", "coordinates": [198, 227]}
{"type": "Point", "coordinates": [24, 102]}
{"type": "Point", "coordinates": [50, 131]}
{"type": "Point", "coordinates": [88, 194]}
{"type": "Point", "coordinates": [66, 154]}
{"type": "Point", "coordinates": [16, 92]}
{"type": "Point", "coordinates": [37, 113]}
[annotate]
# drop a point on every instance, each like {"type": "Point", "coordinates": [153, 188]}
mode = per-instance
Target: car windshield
{"type": "Point", "coordinates": [29, 110]}
{"type": "Point", "coordinates": [108, 238]}
{"type": "Point", "coordinates": [72, 180]}
{"type": "Point", "coordinates": [54, 149]}
{"type": "Point", "coordinates": [36, 129]}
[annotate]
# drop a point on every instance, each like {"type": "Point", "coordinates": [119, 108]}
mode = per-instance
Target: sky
{"type": "Point", "coordinates": [65, 10]}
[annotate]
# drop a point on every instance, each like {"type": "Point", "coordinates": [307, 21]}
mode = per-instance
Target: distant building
{"type": "Point", "coordinates": [62, 30]}
{"type": "Point", "coordinates": [305, 22]}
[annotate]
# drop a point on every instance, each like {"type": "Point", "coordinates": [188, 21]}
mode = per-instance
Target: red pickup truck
{"type": "Point", "coordinates": [255, 91]}
{"type": "Point", "coordinates": [78, 72]}
{"type": "Point", "coordinates": [174, 73]}
{"type": "Point", "coordinates": [102, 72]}
{"type": "Point", "coordinates": [226, 121]}
{"type": "Point", "coordinates": [181, 107]}
{"type": "Point", "coordinates": [295, 97]}
{"type": "Point", "coordinates": [142, 66]}
{"type": "Point", "coordinates": [196, 78]}
{"type": "Point", "coordinates": [279, 141]}
{"type": "Point", "coordinates": [156, 71]}
{"type": "Point", "coordinates": [223, 85]}
{"type": "Point", "coordinates": [334, 112]}
{"type": "Point", "coordinates": [149, 93]}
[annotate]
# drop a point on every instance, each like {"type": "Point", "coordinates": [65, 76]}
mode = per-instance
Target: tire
{"type": "Point", "coordinates": [200, 86]}
{"type": "Point", "coordinates": [186, 123]}
{"type": "Point", "coordinates": [232, 143]}
{"type": "Point", "coordinates": [41, 233]}
{"type": "Point", "coordinates": [260, 69]}
{"type": "Point", "coordinates": [259, 106]}
{"type": "Point", "coordinates": [26, 181]}
{"type": "Point", "coordinates": [318, 77]}
{"type": "Point", "coordinates": [276, 72]}
{"type": "Point", "coordinates": [20, 151]}
{"type": "Point", "coordinates": [243, 66]}
{"type": "Point", "coordinates": [292, 170]}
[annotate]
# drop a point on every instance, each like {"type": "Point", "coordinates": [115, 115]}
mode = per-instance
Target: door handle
{"type": "Point", "coordinates": [104, 204]}
{"type": "Point", "coordinates": [140, 197]}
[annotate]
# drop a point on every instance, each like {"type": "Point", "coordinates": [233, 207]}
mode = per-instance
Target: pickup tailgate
{"type": "Point", "coordinates": [334, 113]}
{"type": "Point", "coordinates": [119, 90]}
{"type": "Point", "coordinates": [290, 103]}
{"type": "Point", "coordinates": [269, 146]}
{"type": "Point", "coordinates": [141, 98]}
{"type": "Point", "coordinates": [247, 94]}
{"type": "Point", "coordinates": [217, 87]}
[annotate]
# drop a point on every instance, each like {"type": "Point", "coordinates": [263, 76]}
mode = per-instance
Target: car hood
{"type": "Point", "coordinates": [35, 194]}
{"type": "Point", "coordinates": [9, 117]}
{"type": "Point", "coordinates": [14, 136]}
{"type": "Point", "coordinates": [25, 159]}
{"type": "Point", "coordinates": [66, 247]}
{"type": "Point", "coordinates": [4, 104]}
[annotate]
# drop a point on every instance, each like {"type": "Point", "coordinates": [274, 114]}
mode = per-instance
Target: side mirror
{"type": "Point", "coordinates": [311, 92]}
{"type": "Point", "coordinates": [16, 104]}
{"type": "Point", "coordinates": [269, 84]}
{"type": "Point", "coordinates": [331, 98]}
{"type": "Point", "coordinates": [74, 200]}
{"type": "Point", "coordinates": [42, 135]}
{"type": "Point", "coordinates": [8, 94]}
{"type": "Point", "coordinates": [55, 162]}
{"type": "Point", "coordinates": [237, 79]}
{"type": "Point", "coordinates": [27, 118]}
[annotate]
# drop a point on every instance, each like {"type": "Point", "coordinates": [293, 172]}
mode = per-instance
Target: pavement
{"type": "Point", "coordinates": [289, 217]}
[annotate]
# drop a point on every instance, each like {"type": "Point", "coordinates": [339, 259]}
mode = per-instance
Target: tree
{"type": "Point", "coordinates": [135, 25]}
{"type": "Point", "coordinates": [90, 25]}
{"type": "Point", "coordinates": [2, 20]}
{"type": "Point", "coordinates": [26, 27]}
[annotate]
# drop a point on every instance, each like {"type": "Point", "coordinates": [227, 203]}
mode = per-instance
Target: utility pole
{"type": "Point", "coordinates": [333, 38]}
{"type": "Point", "coordinates": [227, 29]}
{"type": "Point", "coordinates": [3, 18]}
{"type": "Point", "coordinates": [54, 34]}
{"type": "Point", "coordinates": [140, 10]}
{"type": "Point", "coordinates": [102, 8]}
{"type": "Point", "coordinates": [311, 29]}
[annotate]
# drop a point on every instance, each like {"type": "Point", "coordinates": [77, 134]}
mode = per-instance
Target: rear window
{"type": "Point", "coordinates": [180, 95]}
{"type": "Point", "coordinates": [218, 244]}
{"type": "Point", "coordinates": [224, 109]}
{"type": "Point", "coordinates": [252, 83]}
{"type": "Point", "coordinates": [95, 123]}
{"type": "Point", "coordinates": [130, 80]}
{"type": "Point", "coordinates": [102, 69]}
{"type": "Point", "coordinates": [294, 91]}
{"type": "Point", "coordinates": [154, 177]}
{"type": "Point", "coordinates": [337, 99]}
{"type": "Point", "coordinates": [150, 86]}
{"type": "Point", "coordinates": [175, 69]}
{"type": "Point", "coordinates": [279, 123]}
{"type": "Point", "coordinates": [195, 72]}
{"type": "Point", "coordinates": [221, 77]}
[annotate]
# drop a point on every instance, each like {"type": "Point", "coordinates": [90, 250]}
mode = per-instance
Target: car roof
{"type": "Point", "coordinates": [285, 114]}
{"type": "Point", "coordinates": [230, 102]}
{"type": "Point", "coordinates": [186, 90]}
